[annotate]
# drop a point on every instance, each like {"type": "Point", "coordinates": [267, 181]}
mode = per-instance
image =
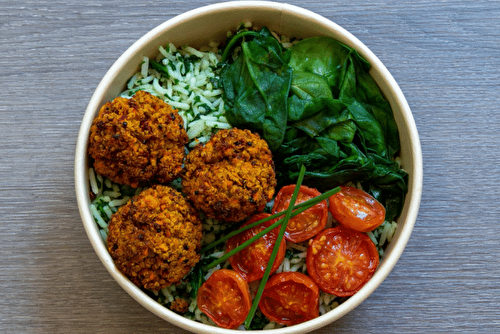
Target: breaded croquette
{"type": "Point", "coordinates": [155, 239]}
{"type": "Point", "coordinates": [138, 141]}
{"type": "Point", "coordinates": [231, 177]}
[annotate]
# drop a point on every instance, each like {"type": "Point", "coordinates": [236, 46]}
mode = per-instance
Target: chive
{"type": "Point", "coordinates": [297, 209]}
{"type": "Point", "coordinates": [243, 245]}
{"type": "Point", "coordinates": [233, 233]}
{"type": "Point", "coordinates": [276, 247]}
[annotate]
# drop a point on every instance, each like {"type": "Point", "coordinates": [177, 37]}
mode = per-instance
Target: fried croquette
{"type": "Point", "coordinates": [179, 305]}
{"type": "Point", "coordinates": [230, 177]}
{"type": "Point", "coordinates": [155, 239]}
{"type": "Point", "coordinates": [138, 141]}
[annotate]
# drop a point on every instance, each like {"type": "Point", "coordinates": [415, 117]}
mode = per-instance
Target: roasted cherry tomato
{"type": "Point", "coordinates": [308, 223]}
{"type": "Point", "coordinates": [225, 298]}
{"type": "Point", "coordinates": [356, 209]}
{"type": "Point", "coordinates": [290, 298]}
{"type": "Point", "coordinates": [341, 260]}
{"type": "Point", "coordinates": [251, 262]}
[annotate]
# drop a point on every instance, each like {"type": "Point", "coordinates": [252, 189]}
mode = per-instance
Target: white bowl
{"type": "Point", "coordinates": [198, 27]}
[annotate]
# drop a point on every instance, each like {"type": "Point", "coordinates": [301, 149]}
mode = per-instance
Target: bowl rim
{"type": "Point", "coordinates": [82, 187]}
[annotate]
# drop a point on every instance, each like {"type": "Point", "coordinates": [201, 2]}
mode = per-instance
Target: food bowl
{"type": "Point", "coordinates": [198, 27]}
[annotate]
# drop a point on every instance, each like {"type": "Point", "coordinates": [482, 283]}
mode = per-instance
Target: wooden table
{"type": "Point", "coordinates": [445, 57]}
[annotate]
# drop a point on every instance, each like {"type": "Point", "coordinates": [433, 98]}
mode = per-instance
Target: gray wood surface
{"type": "Point", "coordinates": [445, 57]}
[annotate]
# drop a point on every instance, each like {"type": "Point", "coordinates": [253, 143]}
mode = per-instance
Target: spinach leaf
{"type": "Point", "coordinates": [309, 92]}
{"type": "Point", "coordinates": [195, 277]}
{"type": "Point", "coordinates": [333, 163]}
{"type": "Point", "coordinates": [370, 96]}
{"type": "Point", "coordinates": [323, 56]}
{"type": "Point", "coordinates": [335, 112]}
{"type": "Point", "coordinates": [256, 87]}
{"type": "Point", "coordinates": [348, 136]}
{"type": "Point", "coordinates": [259, 321]}
{"type": "Point", "coordinates": [369, 130]}
{"type": "Point", "coordinates": [372, 113]}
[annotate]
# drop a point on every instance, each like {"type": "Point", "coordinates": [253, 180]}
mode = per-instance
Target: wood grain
{"type": "Point", "coordinates": [443, 54]}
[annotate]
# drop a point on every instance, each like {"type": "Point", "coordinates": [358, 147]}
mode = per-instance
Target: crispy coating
{"type": "Point", "coordinates": [179, 305]}
{"type": "Point", "coordinates": [231, 177]}
{"type": "Point", "coordinates": [155, 239]}
{"type": "Point", "coordinates": [138, 141]}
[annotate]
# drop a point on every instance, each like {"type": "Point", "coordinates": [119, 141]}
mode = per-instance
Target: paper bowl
{"type": "Point", "coordinates": [198, 27]}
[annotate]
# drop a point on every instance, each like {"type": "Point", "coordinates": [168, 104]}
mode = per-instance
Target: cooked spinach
{"type": "Point", "coordinates": [322, 56]}
{"type": "Point", "coordinates": [195, 277]}
{"type": "Point", "coordinates": [258, 321]}
{"type": "Point", "coordinates": [316, 105]}
{"type": "Point", "coordinates": [256, 86]}
{"type": "Point", "coordinates": [350, 136]}
{"type": "Point", "coordinates": [309, 91]}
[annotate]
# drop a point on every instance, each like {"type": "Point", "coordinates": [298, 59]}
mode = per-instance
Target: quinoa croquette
{"type": "Point", "coordinates": [155, 239]}
{"type": "Point", "coordinates": [179, 305]}
{"type": "Point", "coordinates": [231, 177]}
{"type": "Point", "coordinates": [138, 141]}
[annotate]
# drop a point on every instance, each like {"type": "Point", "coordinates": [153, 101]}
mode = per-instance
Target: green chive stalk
{"type": "Point", "coordinates": [276, 247]}
{"type": "Point", "coordinates": [297, 209]}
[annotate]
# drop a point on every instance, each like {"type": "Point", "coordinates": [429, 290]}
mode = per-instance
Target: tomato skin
{"type": "Point", "coordinates": [341, 260]}
{"type": "Point", "coordinates": [356, 209]}
{"type": "Point", "coordinates": [307, 224]}
{"type": "Point", "coordinates": [251, 262]}
{"type": "Point", "coordinates": [290, 298]}
{"type": "Point", "coordinates": [225, 298]}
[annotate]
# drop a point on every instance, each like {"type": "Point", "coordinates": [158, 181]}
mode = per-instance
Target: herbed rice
{"type": "Point", "coordinates": [190, 87]}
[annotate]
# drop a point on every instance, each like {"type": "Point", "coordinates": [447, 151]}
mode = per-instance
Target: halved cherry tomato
{"type": "Point", "coordinates": [290, 298]}
{"type": "Point", "coordinates": [308, 223]}
{"type": "Point", "coordinates": [225, 298]}
{"type": "Point", "coordinates": [356, 209]}
{"type": "Point", "coordinates": [251, 262]}
{"type": "Point", "coordinates": [341, 260]}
